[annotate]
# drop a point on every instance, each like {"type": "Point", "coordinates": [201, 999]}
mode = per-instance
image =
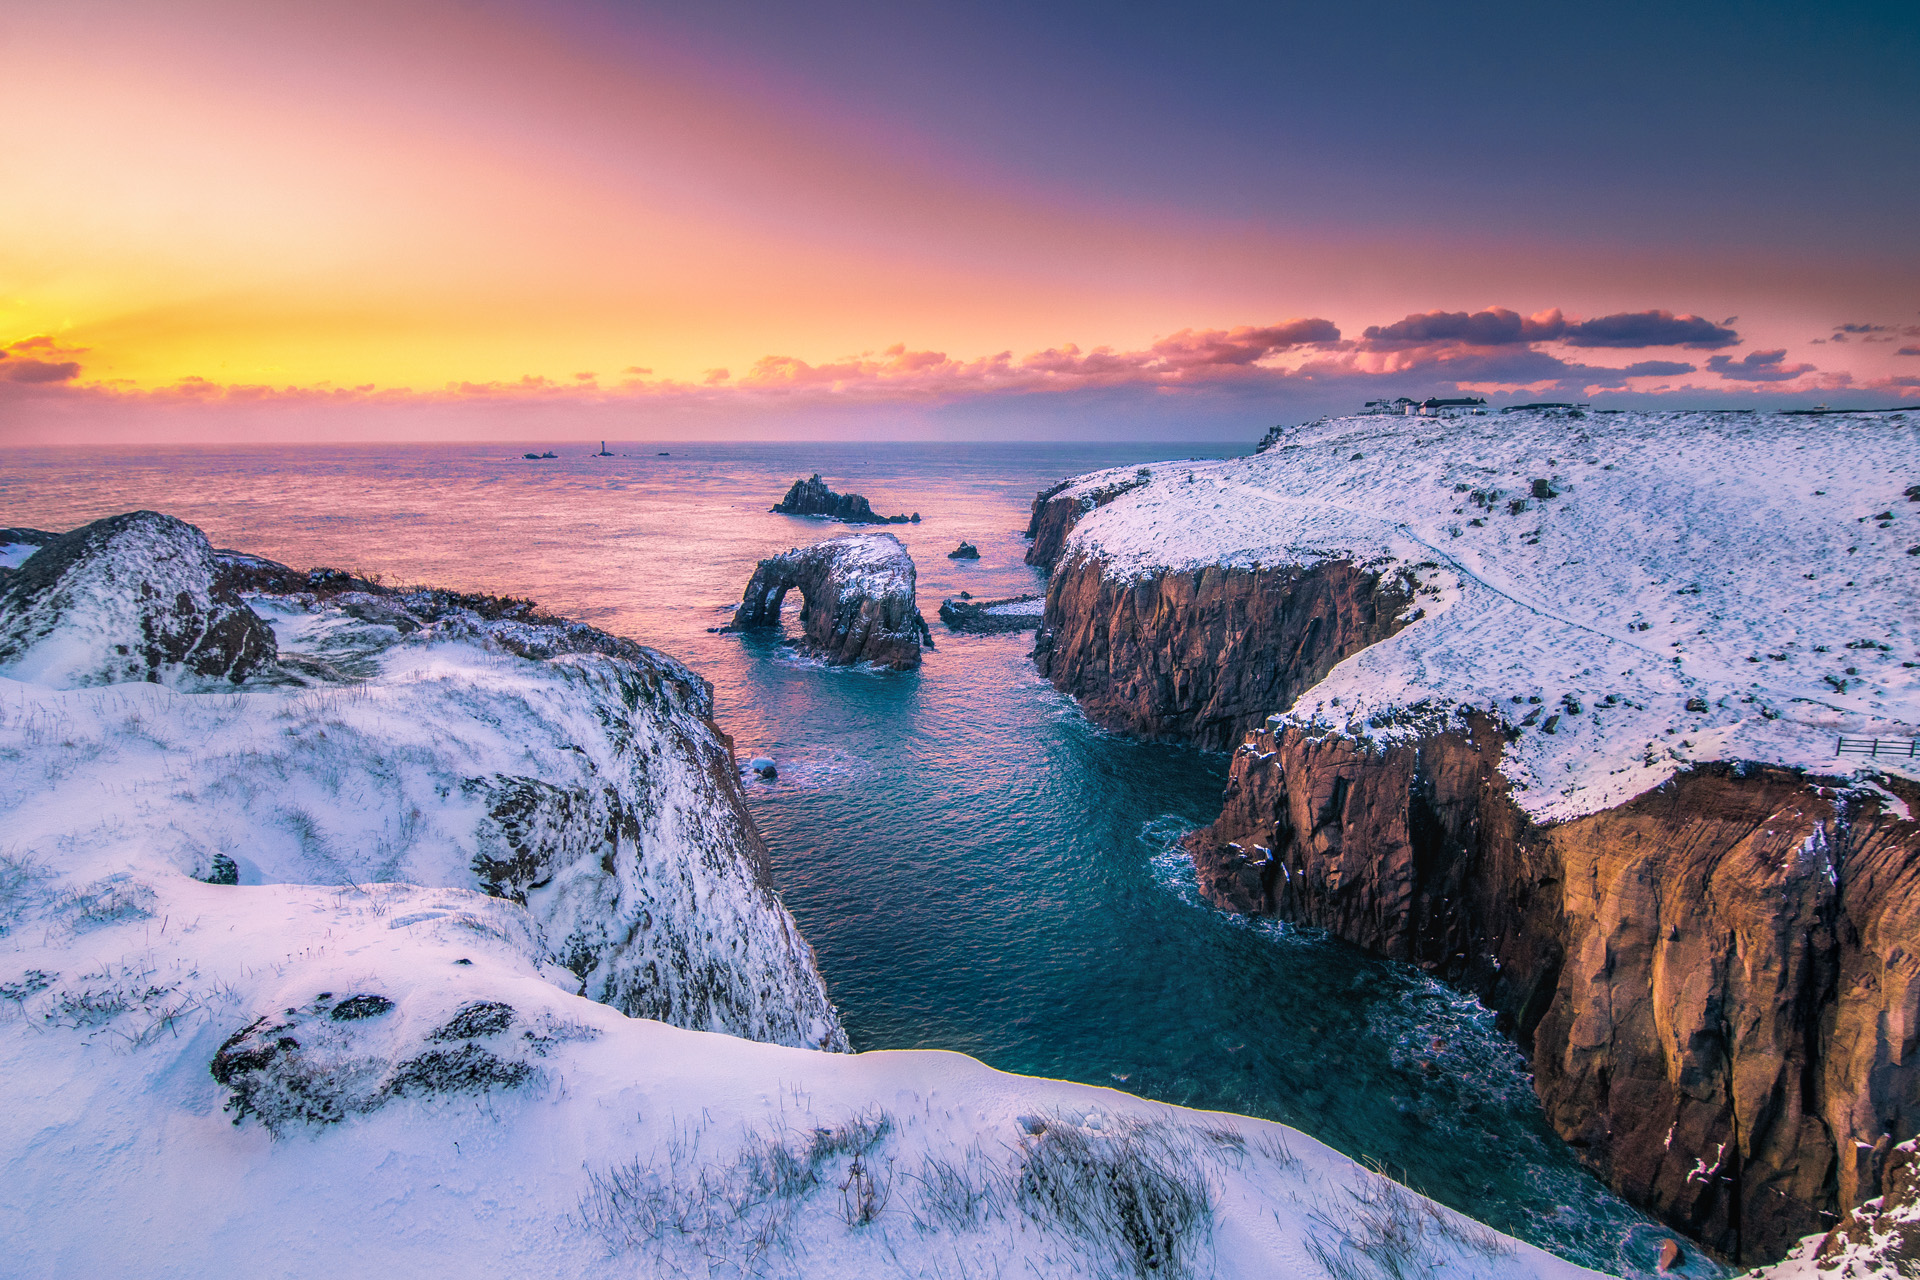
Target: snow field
{"type": "Point", "coordinates": [1670, 588]}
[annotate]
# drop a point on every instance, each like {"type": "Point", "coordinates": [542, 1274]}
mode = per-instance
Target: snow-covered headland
{"type": "Point", "coordinates": [433, 938]}
{"type": "Point", "coordinates": [1549, 702]}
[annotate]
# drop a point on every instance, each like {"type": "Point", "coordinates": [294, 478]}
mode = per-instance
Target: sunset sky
{"type": "Point", "coordinates": [577, 219]}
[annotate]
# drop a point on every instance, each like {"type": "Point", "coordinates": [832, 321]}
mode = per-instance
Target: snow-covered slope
{"type": "Point", "coordinates": [410, 738]}
{"type": "Point", "coordinates": [386, 1079]}
{"type": "Point", "coordinates": [257, 1017]}
{"type": "Point", "coordinates": [1659, 588]}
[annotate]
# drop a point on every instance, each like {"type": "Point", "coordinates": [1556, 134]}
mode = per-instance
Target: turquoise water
{"type": "Point", "coordinates": [978, 868]}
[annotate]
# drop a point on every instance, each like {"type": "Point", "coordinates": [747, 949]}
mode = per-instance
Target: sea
{"type": "Point", "coordinates": [977, 866]}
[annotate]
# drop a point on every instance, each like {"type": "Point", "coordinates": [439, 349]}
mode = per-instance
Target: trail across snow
{"type": "Point", "coordinates": [1661, 588]}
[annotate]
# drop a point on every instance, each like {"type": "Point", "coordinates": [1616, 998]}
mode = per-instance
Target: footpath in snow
{"type": "Point", "coordinates": [1632, 592]}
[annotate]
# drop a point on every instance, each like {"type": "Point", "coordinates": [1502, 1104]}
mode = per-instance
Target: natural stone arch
{"type": "Point", "coordinates": [858, 594]}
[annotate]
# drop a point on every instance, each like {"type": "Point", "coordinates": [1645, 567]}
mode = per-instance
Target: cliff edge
{"type": "Point", "coordinates": [1551, 705]}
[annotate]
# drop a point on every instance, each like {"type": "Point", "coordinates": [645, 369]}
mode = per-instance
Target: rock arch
{"type": "Point", "coordinates": [859, 600]}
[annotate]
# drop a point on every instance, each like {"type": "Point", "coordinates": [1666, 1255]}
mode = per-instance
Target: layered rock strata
{"type": "Point", "coordinates": [859, 600]}
{"type": "Point", "coordinates": [1517, 750]}
{"type": "Point", "coordinates": [1200, 655]}
{"type": "Point", "coordinates": [1716, 982]}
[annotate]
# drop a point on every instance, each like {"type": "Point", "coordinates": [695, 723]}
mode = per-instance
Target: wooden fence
{"type": "Point", "coordinates": [1879, 748]}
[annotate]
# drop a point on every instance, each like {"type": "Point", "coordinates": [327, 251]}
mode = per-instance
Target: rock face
{"type": "Point", "coordinates": [1010, 613]}
{"type": "Point", "coordinates": [131, 597]}
{"type": "Point", "coordinates": [1717, 981]}
{"type": "Point", "coordinates": [859, 594]}
{"type": "Point", "coordinates": [1058, 508]}
{"type": "Point", "coordinates": [812, 497]}
{"type": "Point", "coordinates": [1879, 1238]}
{"type": "Point", "coordinates": [1201, 655]}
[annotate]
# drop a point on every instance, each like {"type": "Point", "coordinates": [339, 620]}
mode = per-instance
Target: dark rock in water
{"type": "Point", "coordinates": [131, 597]}
{"type": "Point", "coordinates": [813, 498]}
{"type": "Point", "coordinates": [764, 767]}
{"type": "Point", "coordinates": [1011, 613]}
{"type": "Point", "coordinates": [859, 593]}
{"type": "Point", "coordinates": [965, 551]}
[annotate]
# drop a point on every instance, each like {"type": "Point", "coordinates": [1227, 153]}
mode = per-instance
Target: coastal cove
{"type": "Point", "coordinates": [977, 867]}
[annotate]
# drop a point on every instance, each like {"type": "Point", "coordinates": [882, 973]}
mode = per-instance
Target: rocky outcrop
{"type": "Point", "coordinates": [965, 551]}
{"type": "Point", "coordinates": [1717, 981]}
{"type": "Point", "coordinates": [812, 497]}
{"type": "Point", "coordinates": [1878, 1238]}
{"type": "Point", "coordinates": [1200, 656]}
{"type": "Point", "coordinates": [1009, 613]}
{"type": "Point", "coordinates": [859, 600]}
{"type": "Point", "coordinates": [131, 597]}
{"type": "Point", "coordinates": [1058, 508]}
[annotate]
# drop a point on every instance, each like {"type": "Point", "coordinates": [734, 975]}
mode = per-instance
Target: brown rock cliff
{"type": "Point", "coordinates": [1717, 981]}
{"type": "Point", "coordinates": [1200, 656]}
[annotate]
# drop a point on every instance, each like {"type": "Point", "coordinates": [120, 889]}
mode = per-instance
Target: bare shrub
{"type": "Point", "coordinates": [1383, 1231]}
{"type": "Point", "coordinates": [110, 901]}
{"type": "Point", "coordinates": [21, 881]}
{"type": "Point", "coordinates": [1138, 1193]}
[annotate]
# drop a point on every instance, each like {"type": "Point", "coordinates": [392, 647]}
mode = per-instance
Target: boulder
{"type": "Point", "coordinates": [1010, 613]}
{"type": "Point", "coordinates": [131, 597]}
{"type": "Point", "coordinates": [965, 551]}
{"type": "Point", "coordinates": [812, 497]}
{"type": "Point", "coordinates": [859, 600]}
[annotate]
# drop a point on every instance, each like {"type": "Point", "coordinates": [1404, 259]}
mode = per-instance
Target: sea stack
{"type": "Point", "coordinates": [859, 600]}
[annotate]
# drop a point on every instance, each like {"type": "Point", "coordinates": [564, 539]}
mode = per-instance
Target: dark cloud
{"type": "Point", "coordinates": [1908, 351]}
{"type": "Point", "coordinates": [1656, 369]}
{"type": "Point", "coordinates": [37, 359]}
{"type": "Point", "coordinates": [1200, 348]}
{"type": "Point", "coordinates": [1757, 366]}
{"type": "Point", "coordinates": [1650, 329]}
{"type": "Point", "coordinates": [1495, 327]}
{"type": "Point", "coordinates": [17, 370]}
{"type": "Point", "coordinates": [1863, 328]}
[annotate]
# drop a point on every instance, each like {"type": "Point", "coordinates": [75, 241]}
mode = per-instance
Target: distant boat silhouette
{"type": "Point", "coordinates": [663, 454]}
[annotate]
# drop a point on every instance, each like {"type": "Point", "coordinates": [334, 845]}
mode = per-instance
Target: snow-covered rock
{"type": "Point", "coordinates": [859, 594]}
{"type": "Point", "coordinates": [1671, 587]}
{"type": "Point", "coordinates": [413, 738]}
{"type": "Point", "coordinates": [131, 597]}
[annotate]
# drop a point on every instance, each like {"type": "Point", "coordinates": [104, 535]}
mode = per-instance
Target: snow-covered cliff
{"type": "Point", "coordinates": [397, 737]}
{"type": "Point", "coordinates": [1661, 588]}
{"type": "Point", "coordinates": [1548, 703]}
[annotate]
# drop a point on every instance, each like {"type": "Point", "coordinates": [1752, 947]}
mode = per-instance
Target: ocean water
{"type": "Point", "coordinates": [977, 867]}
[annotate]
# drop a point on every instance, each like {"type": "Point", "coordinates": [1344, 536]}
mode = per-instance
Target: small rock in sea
{"type": "Point", "coordinates": [764, 767]}
{"type": "Point", "coordinates": [965, 551]}
{"type": "Point", "coordinates": [966, 595]}
{"type": "Point", "coordinates": [1669, 1255]}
